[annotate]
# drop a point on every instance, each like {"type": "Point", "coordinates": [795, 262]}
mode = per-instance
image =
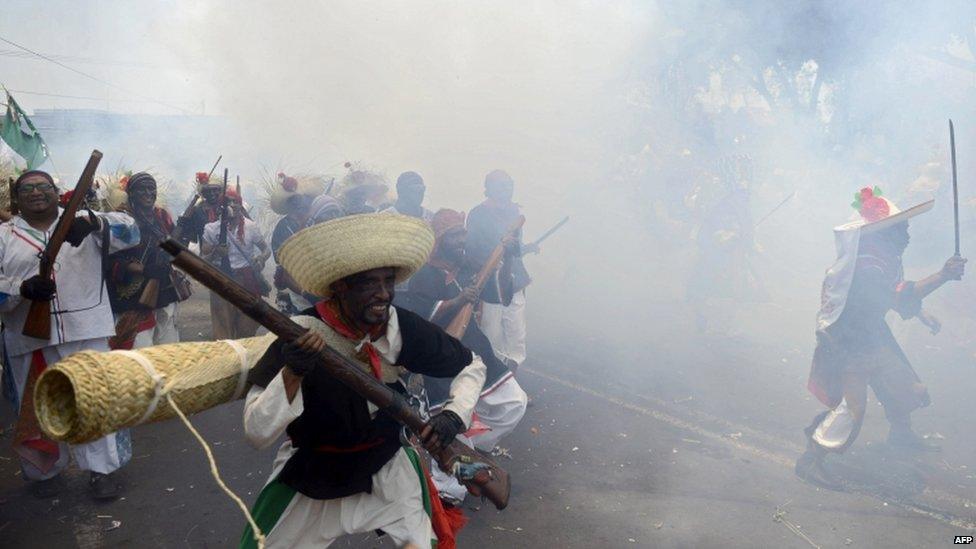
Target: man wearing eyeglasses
{"type": "Point", "coordinates": [81, 319]}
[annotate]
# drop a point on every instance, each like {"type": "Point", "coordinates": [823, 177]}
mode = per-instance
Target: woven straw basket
{"type": "Point", "coordinates": [90, 394]}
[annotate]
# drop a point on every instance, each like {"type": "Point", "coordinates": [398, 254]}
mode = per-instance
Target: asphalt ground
{"type": "Point", "coordinates": [619, 449]}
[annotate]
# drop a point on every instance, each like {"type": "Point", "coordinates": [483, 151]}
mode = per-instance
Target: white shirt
{"type": "Point", "coordinates": [267, 411]}
{"type": "Point", "coordinates": [81, 308]}
{"type": "Point", "coordinates": [425, 214]}
{"type": "Point", "coordinates": [241, 253]}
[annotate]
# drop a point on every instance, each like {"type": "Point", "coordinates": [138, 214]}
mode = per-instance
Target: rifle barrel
{"type": "Point", "coordinates": [955, 183]}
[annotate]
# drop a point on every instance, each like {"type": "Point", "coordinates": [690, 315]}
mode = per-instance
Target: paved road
{"type": "Point", "coordinates": [637, 457]}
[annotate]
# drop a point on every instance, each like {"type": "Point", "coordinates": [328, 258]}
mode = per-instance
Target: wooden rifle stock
{"type": "Point", "coordinates": [495, 486]}
{"type": "Point", "coordinates": [459, 324]}
{"type": "Point", "coordinates": [38, 322]}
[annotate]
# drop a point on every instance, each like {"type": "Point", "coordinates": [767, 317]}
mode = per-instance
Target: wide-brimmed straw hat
{"type": "Point", "coordinates": [287, 186]}
{"type": "Point", "coordinates": [876, 212]}
{"type": "Point", "coordinates": [322, 254]}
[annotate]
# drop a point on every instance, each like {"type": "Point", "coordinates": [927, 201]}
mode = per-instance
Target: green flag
{"type": "Point", "coordinates": [20, 134]}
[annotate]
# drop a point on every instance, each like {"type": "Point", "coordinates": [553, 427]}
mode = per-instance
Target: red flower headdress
{"type": "Point", "coordinates": [870, 205]}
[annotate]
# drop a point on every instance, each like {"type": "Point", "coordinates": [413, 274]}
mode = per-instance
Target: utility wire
{"type": "Point", "coordinates": [87, 97]}
{"type": "Point", "coordinates": [95, 78]}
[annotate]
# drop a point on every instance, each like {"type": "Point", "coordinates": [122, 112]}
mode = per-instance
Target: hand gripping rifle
{"type": "Point", "coordinates": [38, 322]}
{"type": "Point", "coordinates": [488, 479]}
{"type": "Point", "coordinates": [459, 324]}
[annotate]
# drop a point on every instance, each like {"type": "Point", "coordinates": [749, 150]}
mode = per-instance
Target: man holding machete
{"type": "Point", "coordinates": [81, 320]}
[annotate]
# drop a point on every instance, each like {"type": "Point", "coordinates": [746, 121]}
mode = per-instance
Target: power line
{"type": "Point", "coordinates": [17, 54]}
{"type": "Point", "coordinates": [95, 78]}
{"type": "Point", "coordinates": [90, 98]}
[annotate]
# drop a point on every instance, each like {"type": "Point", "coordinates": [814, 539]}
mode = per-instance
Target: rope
{"type": "Point", "coordinates": [780, 516]}
{"type": "Point", "coordinates": [258, 535]}
{"type": "Point", "coordinates": [161, 390]}
{"type": "Point", "coordinates": [158, 381]}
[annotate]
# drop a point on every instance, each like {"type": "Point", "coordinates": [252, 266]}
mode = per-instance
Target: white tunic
{"type": "Point", "coordinates": [240, 252]}
{"type": "Point", "coordinates": [394, 505]}
{"type": "Point", "coordinates": [81, 308]}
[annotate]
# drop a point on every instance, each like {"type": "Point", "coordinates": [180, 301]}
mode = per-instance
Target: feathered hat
{"type": "Point", "coordinates": [287, 186]}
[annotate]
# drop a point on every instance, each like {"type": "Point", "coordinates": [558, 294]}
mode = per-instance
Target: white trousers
{"type": "Point", "coordinates": [835, 428]}
{"type": "Point", "coordinates": [165, 330]}
{"type": "Point", "coordinates": [505, 327]}
{"type": "Point", "coordinates": [104, 455]}
{"type": "Point", "coordinates": [500, 409]}
{"type": "Point", "coordinates": [395, 506]}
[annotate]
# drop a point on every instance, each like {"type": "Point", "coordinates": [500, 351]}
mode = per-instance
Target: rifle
{"type": "Point", "coordinates": [774, 210]}
{"type": "Point", "coordinates": [547, 234]}
{"type": "Point", "coordinates": [459, 324]}
{"type": "Point", "coordinates": [222, 236]}
{"type": "Point", "coordinates": [489, 480]}
{"type": "Point", "coordinates": [217, 163]}
{"type": "Point", "coordinates": [955, 183]}
{"type": "Point", "coordinates": [38, 322]}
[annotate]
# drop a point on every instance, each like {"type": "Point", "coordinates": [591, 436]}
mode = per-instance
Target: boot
{"type": "Point", "coordinates": [902, 436]}
{"type": "Point", "coordinates": [104, 486]}
{"type": "Point", "coordinates": [810, 468]}
{"type": "Point", "coordinates": [47, 488]}
{"type": "Point", "coordinates": [910, 440]}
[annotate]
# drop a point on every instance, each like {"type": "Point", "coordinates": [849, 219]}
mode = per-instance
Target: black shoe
{"type": "Point", "coordinates": [909, 440]}
{"type": "Point", "coordinates": [809, 467]}
{"type": "Point", "coordinates": [48, 488]}
{"type": "Point", "coordinates": [104, 487]}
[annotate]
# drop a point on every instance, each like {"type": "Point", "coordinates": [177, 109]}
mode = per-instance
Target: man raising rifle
{"type": "Point", "coordinates": [81, 319]}
{"type": "Point", "coordinates": [244, 241]}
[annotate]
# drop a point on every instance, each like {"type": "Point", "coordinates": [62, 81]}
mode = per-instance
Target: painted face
{"type": "Point", "coordinates": [451, 245]}
{"type": "Point", "coordinates": [143, 196]}
{"type": "Point", "coordinates": [36, 195]}
{"type": "Point", "coordinates": [210, 194]}
{"type": "Point", "coordinates": [501, 190]}
{"type": "Point", "coordinates": [365, 297]}
{"type": "Point", "coordinates": [412, 192]}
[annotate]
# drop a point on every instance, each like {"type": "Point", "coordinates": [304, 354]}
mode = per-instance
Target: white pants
{"type": "Point", "coordinates": [395, 506]}
{"type": "Point", "coordinates": [104, 455]}
{"type": "Point", "coordinates": [505, 327]}
{"type": "Point", "coordinates": [500, 409]}
{"type": "Point", "coordinates": [165, 330]}
{"type": "Point", "coordinates": [835, 428]}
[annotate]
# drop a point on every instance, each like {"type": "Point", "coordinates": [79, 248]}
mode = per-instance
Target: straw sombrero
{"type": "Point", "coordinates": [875, 212]}
{"type": "Point", "coordinates": [286, 187]}
{"type": "Point", "coordinates": [322, 254]}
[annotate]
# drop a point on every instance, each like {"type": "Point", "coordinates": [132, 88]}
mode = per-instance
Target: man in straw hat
{"type": "Point", "coordinates": [290, 198]}
{"type": "Point", "coordinates": [504, 324]}
{"type": "Point", "coordinates": [436, 292]}
{"type": "Point", "coordinates": [343, 468]}
{"type": "Point", "coordinates": [81, 320]}
{"type": "Point", "coordinates": [247, 252]}
{"type": "Point", "coordinates": [855, 346]}
{"type": "Point", "coordinates": [130, 271]}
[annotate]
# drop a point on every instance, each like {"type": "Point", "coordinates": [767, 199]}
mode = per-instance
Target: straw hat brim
{"type": "Point", "coordinates": [320, 255]}
{"type": "Point", "coordinates": [279, 197]}
{"type": "Point", "coordinates": [895, 218]}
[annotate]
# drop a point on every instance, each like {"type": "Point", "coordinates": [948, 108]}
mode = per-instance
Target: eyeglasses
{"type": "Point", "coordinates": [27, 188]}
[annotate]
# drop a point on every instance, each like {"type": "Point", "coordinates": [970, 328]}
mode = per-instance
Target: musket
{"type": "Point", "coordinates": [479, 474]}
{"type": "Point", "coordinates": [459, 324]}
{"type": "Point", "coordinates": [222, 236]}
{"type": "Point", "coordinates": [38, 321]}
{"type": "Point", "coordinates": [214, 166]}
{"type": "Point", "coordinates": [547, 234]}
{"type": "Point", "coordinates": [955, 183]}
{"type": "Point", "coordinates": [774, 210]}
